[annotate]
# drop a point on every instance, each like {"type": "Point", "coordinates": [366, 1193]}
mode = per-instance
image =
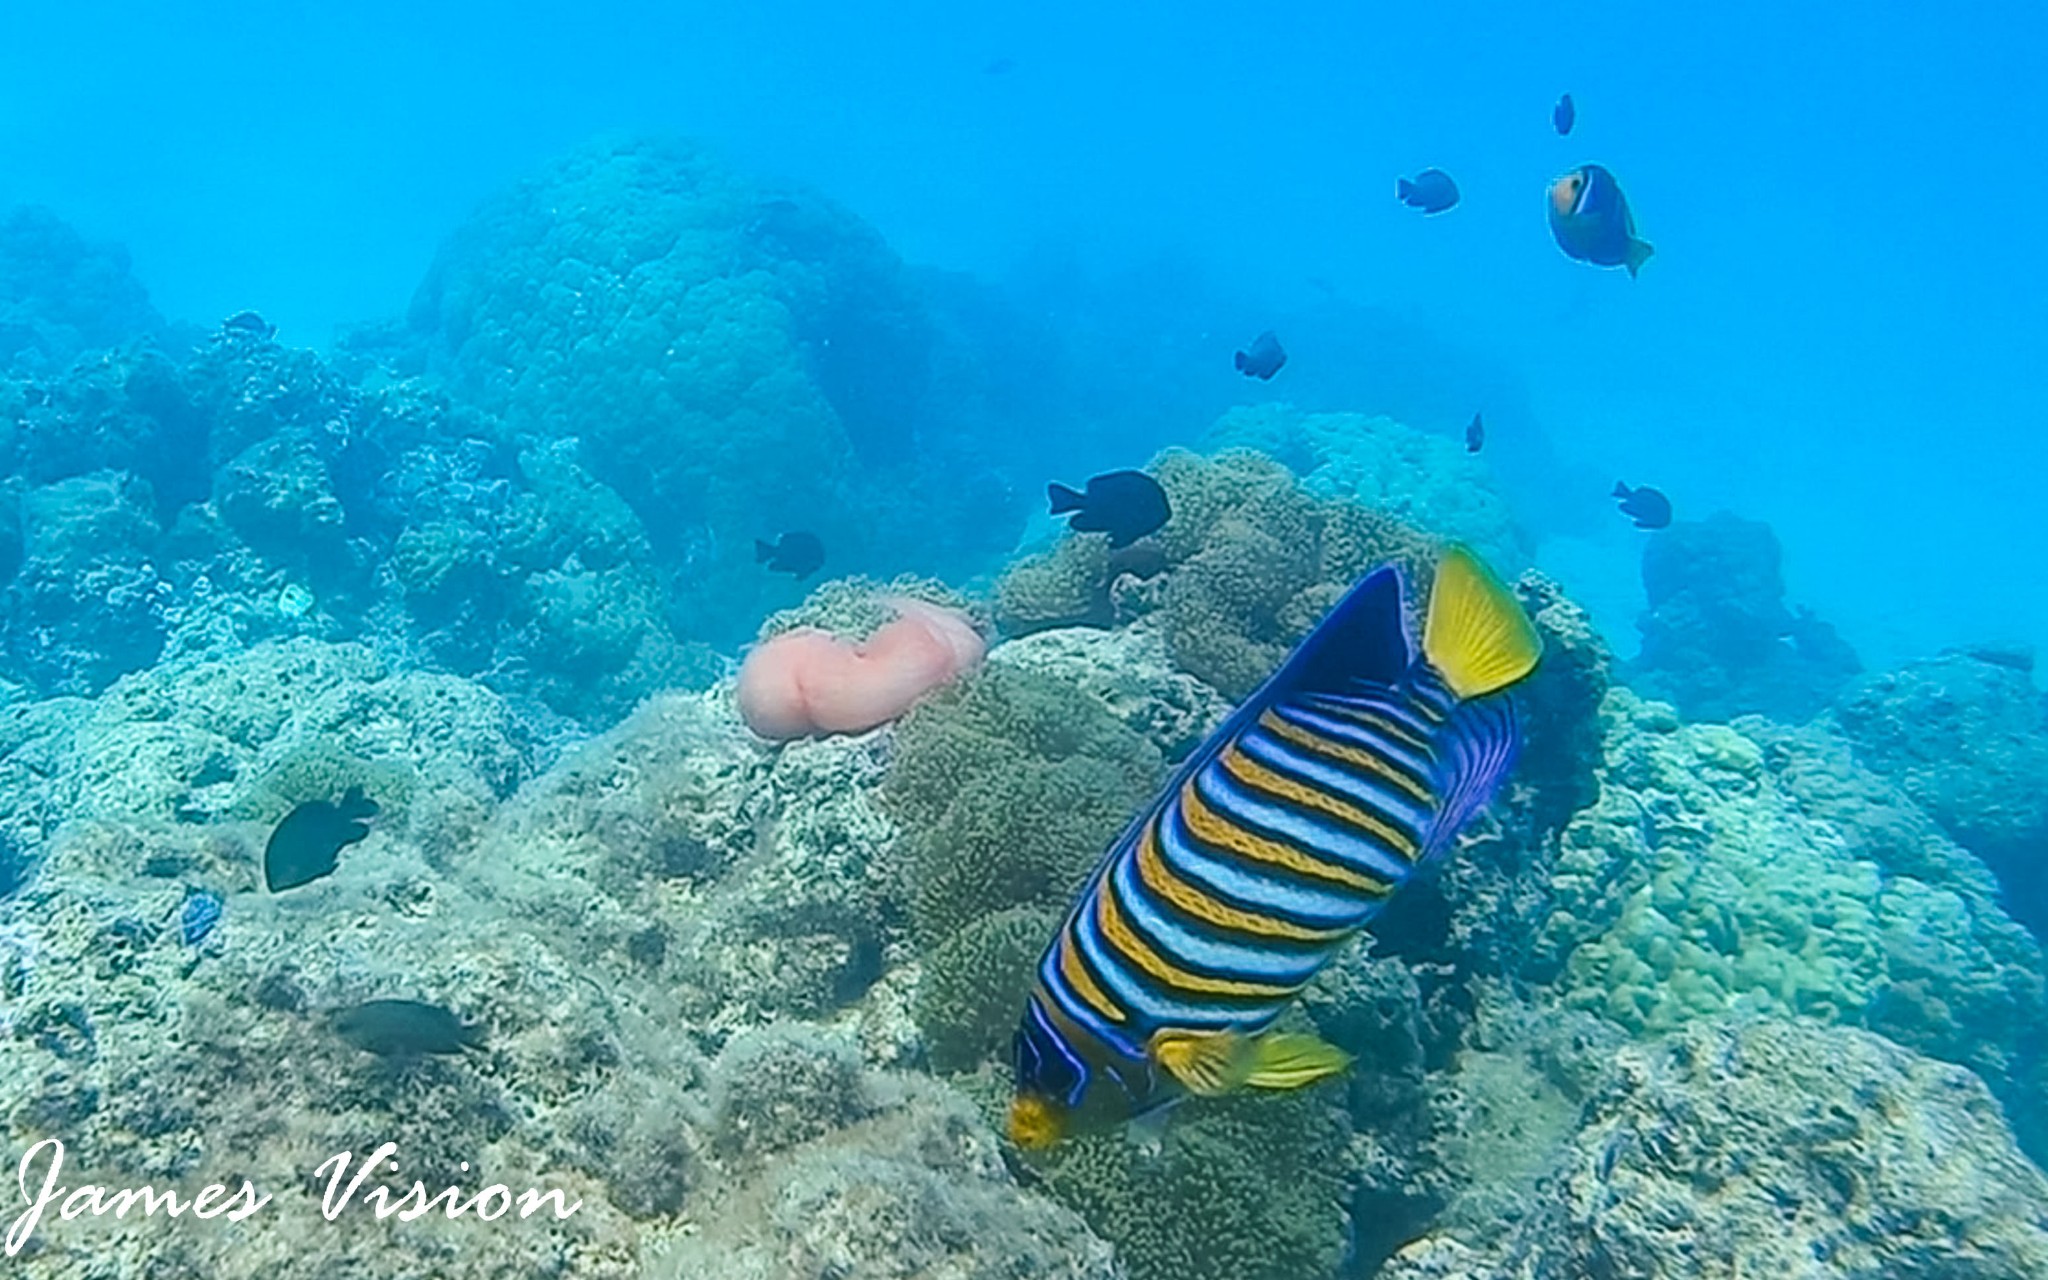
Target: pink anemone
{"type": "Point", "coordinates": [807, 682]}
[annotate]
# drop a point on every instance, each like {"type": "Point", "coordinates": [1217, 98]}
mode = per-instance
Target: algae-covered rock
{"type": "Point", "coordinates": [1966, 736]}
{"type": "Point", "coordinates": [1130, 672]}
{"type": "Point", "coordinates": [87, 602]}
{"type": "Point", "coordinates": [785, 1084]}
{"type": "Point", "coordinates": [915, 1188]}
{"type": "Point", "coordinates": [1771, 1148]}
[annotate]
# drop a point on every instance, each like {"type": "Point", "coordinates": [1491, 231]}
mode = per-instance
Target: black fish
{"type": "Point", "coordinates": [309, 841]}
{"type": "Point", "coordinates": [1563, 114]}
{"type": "Point", "coordinates": [1475, 435]}
{"type": "Point", "coordinates": [404, 1029]}
{"type": "Point", "coordinates": [1649, 508]}
{"type": "Point", "coordinates": [1264, 359]}
{"type": "Point", "coordinates": [248, 324]}
{"type": "Point", "coordinates": [1126, 505]}
{"type": "Point", "coordinates": [797, 554]}
{"type": "Point", "coordinates": [1431, 191]}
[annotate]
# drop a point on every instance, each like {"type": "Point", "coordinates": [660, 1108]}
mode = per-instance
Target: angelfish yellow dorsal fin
{"type": "Point", "coordinates": [1477, 636]}
{"type": "Point", "coordinates": [1291, 1060]}
{"type": "Point", "coordinates": [1207, 1063]}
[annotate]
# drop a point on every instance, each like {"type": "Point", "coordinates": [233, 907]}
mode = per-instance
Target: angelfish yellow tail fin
{"type": "Point", "coordinates": [1477, 636]}
{"type": "Point", "coordinates": [1289, 1060]}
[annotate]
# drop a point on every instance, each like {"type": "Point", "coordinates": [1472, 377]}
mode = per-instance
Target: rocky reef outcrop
{"type": "Point", "coordinates": [1766, 1147]}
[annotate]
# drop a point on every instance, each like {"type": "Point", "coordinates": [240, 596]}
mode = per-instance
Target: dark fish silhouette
{"type": "Point", "coordinates": [1590, 220]}
{"type": "Point", "coordinates": [1431, 191]}
{"type": "Point", "coordinates": [307, 844]}
{"type": "Point", "coordinates": [1649, 508]}
{"type": "Point", "coordinates": [1126, 505]}
{"type": "Point", "coordinates": [797, 554]}
{"type": "Point", "coordinates": [1563, 115]}
{"type": "Point", "coordinates": [1264, 358]}
{"type": "Point", "coordinates": [249, 325]}
{"type": "Point", "coordinates": [404, 1029]}
{"type": "Point", "coordinates": [1475, 434]}
{"type": "Point", "coordinates": [1146, 561]}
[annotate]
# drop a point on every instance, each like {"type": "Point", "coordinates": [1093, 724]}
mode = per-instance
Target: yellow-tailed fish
{"type": "Point", "coordinates": [1341, 777]}
{"type": "Point", "coordinates": [1590, 219]}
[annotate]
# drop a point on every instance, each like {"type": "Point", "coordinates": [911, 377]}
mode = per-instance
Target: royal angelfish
{"type": "Point", "coordinates": [1334, 784]}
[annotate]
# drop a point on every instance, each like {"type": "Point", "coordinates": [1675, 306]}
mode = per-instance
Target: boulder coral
{"type": "Point", "coordinates": [1729, 868]}
{"type": "Point", "coordinates": [61, 295]}
{"type": "Point", "coordinates": [736, 358]}
{"type": "Point", "coordinates": [1718, 638]}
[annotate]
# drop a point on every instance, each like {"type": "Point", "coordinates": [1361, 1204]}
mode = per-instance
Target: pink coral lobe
{"type": "Point", "coordinates": [808, 682]}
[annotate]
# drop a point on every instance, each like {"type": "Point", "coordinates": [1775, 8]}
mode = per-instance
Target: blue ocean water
{"type": "Point", "coordinates": [392, 400]}
{"type": "Point", "coordinates": [1837, 337]}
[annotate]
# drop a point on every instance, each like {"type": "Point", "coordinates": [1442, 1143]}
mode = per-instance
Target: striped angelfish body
{"type": "Point", "coordinates": [1267, 853]}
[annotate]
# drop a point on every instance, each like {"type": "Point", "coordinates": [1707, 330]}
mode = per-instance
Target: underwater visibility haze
{"type": "Point", "coordinates": [1166, 642]}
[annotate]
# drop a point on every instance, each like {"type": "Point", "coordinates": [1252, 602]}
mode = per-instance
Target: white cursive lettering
{"type": "Point", "coordinates": [96, 1200]}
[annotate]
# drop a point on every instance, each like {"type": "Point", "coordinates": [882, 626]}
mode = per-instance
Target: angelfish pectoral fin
{"type": "Point", "coordinates": [1212, 1063]}
{"type": "Point", "coordinates": [1208, 1063]}
{"type": "Point", "coordinates": [1289, 1060]}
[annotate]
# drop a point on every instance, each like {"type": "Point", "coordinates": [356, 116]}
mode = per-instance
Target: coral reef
{"type": "Point", "coordinates": [1966, 736]}
{"type": "Point", "coordinates": [1008, 786]}
{"type": "Point", "coordinates": [1762, 1147]}
{"type": "Point", "coordinates": [166, 506]}
{"type": "Point", "coordinates": [748, 1001]}
{"type": "Point", "coordinates": [1756, 868]}
{"type": "Point", "coordinates": [1251, 561]}
{"type": "Point", "coordinates": [61, 296]}
{"type": "Point", "coordinates": [1426, 480]}
{"type": "Point", "coordinates": [751, 357]}
{"type": "Point", "coordinates": [1718, 640]}
{"type": "Point", "coordinates": [632, 932]}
